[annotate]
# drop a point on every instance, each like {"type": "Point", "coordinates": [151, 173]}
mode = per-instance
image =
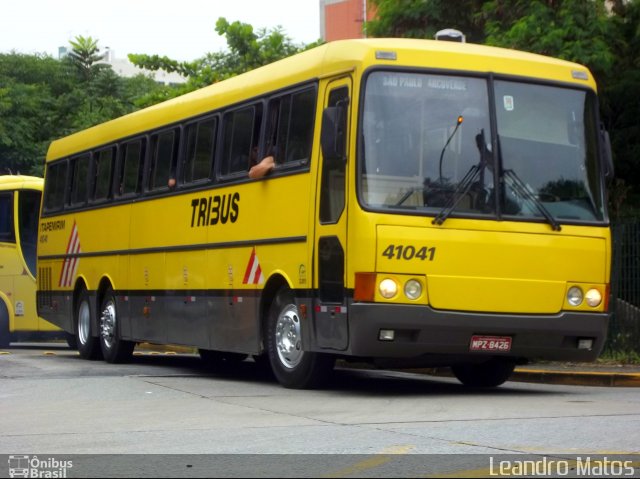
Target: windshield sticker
{"type": "Point", "coordinates": [447, 84]}
{"type": "Point", "coordinates": [402, 81]}
{"type": "Point", "coordinates": [508, 102]}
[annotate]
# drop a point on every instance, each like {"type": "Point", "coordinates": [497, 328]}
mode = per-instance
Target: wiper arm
{"type": "Point", "coordinates": [523, 190]}
{"type": "Point", "coordinates": [461, 190]}
{"type": "Point", "coordinates": [466, 183]}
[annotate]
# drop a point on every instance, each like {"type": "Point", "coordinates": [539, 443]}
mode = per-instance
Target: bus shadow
{"type": "Point", "coordinates": [352, 381]}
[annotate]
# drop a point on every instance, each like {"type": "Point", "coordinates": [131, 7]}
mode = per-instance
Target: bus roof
{"type": "Point", "coordinates": [326, 60]}
{"type": "Point", "coordinates": [17, 182]}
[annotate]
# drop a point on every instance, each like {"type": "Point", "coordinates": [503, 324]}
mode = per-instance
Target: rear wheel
{"type": "Point", "coordinates": [489, 374]}
{"type": "Point", "coordinates": [87, 345]}
{"type": "Point", "coordinates": [114, 348]}
{"type": "Point", "coordinates": [292, 366]}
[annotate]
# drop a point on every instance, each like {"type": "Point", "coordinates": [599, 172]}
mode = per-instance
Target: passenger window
{"type": "Point", "coordinates": [241, 135]}
{"type": "Point", "coordinates": [200, 147]}
{"type": "Point", "coordinates": [290, 129]}
{"type": "Point", "coordinates": [163, 162]}
{"type": "Point", "coordinates": [131, 157]}
{"type": "Point", "coordinates": [103, 170]}
{"type": "Point", "coordinates": [79, 180]}
{"type": "Point", "coordinates": [55, 186]}
{"type": "Point", "coordinates": [7, 233]}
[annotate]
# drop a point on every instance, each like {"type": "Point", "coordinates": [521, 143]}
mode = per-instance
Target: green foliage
{"type": "Point", "coordinates": [42, 98]}
{"type": "Point", "coordinates": [31, 108]}
{"type": "Point", "coordinates": [423, 18]}
{"type": "Point", "coordinates": [246, 50]}
{"type": "Point", "coordinates": [575, 30]}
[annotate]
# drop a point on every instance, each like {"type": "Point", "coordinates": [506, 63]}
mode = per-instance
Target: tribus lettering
{"type": "Point", "coordinates": [215, 209]}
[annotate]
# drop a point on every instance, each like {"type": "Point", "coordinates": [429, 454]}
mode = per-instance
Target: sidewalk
{"type": "Point", "coordinates": [570, 374]}
{"type": "Point", "coordinates": [580, 374]}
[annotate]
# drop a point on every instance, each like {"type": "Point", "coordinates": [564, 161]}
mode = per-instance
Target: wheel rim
{"type": "Point", "coordinates": [84, 322]}
{"type": "Point", "coordinates": [288, 337]}
{"type": "Point", "coordinates": [108, 324]}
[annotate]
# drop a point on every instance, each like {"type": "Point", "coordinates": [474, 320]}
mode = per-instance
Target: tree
{"type": "Point", "coordinates": [247, 49]}
{"type": "Point", "coordinates": [42, 99]}
{"type": "Point", "coordinates": [574, 30]}
{"type": "Point", "coordinates": [30, 109]}
{"type": "Point", "coordinates": [423, 18]}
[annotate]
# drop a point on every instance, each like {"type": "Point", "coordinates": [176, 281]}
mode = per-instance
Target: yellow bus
{"type": "Point", "coordinates": [431, 203]}
{"type": "Point", "coordinates": [19, 208]}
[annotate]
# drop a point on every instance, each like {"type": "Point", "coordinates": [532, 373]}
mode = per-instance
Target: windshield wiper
{"type": "Point", "coordinates": [523, 190]}
{"type": "Point", "coordinates": [466, 183]}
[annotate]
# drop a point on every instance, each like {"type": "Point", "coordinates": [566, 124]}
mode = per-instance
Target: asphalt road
{"type": "Point", "coordinates": [52, 403]}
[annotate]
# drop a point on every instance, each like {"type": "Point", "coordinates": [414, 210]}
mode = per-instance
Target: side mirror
{"type": "Point", "coordinates": [333, 134]}
{"type": "Point", "coordinates": [609, 171]}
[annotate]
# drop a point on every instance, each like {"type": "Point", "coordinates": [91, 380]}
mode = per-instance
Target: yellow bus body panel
{"type": "Point", "coordinates": [478, 269]}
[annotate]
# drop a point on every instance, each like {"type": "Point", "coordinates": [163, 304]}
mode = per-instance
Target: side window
{"type": "Point", "coordinates": [28, 211]}
{"type": "Point", "coordinates": [55, 183]}
{"type": "Point", "coordinates": [290, 129]}
{"type": "Point", "coordinates": [103, 168]}
{"type": "Point", "coordinates": [79, 177]}
{"type": "Point", "coordinates": [332, 192]}
{"type": "Point", "coordinates": [241, 135]}
{"type": "Point", "coordinates": [163, 161]}
{"type": "Point", "coordinates": [7, 233]}
{"type": "Point", "coordinates": [200, 147]}
{"type": "Point", "coordinates": [131, 159]}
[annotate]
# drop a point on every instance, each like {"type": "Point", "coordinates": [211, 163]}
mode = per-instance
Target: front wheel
{"type": "Point", "coordinates": [114, 348]}
{"type": "Point", "coordinates": [292, 366]}
{"type": "Point", "coordinates": [489, 374]}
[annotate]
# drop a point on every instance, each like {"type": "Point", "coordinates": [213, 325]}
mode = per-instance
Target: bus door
{"type": "Point", "coordinates": [27, 211]}
{"type": "Point", "coordinates": [330, 240]}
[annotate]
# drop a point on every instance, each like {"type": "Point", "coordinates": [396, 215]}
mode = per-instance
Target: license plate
{"type": "Point", "coordinates": [490, 343]}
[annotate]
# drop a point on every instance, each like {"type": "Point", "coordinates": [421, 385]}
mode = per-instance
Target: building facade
{"type": "Point", "coordinates": [344, 19]}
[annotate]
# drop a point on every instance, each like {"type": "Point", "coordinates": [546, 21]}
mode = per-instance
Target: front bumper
{"type": "Point", "coordinates": [421, 330]}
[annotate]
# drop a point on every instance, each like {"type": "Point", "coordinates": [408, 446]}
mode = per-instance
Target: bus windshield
{"type": "Point", "coordinates": [426, 147]}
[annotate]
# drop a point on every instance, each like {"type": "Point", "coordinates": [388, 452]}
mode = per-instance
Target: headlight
{"type": "Point", "coordinates": [574, 296]}
{"type": "Point", "coordinates": [593, 298]}
{"type": "Point", "coordinates": [413, 289]}
{"type": "Point", "coordinates": [388, 288]}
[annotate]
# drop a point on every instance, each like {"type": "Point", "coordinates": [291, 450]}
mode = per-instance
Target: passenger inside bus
{"type": "Point", "coordinates": [264, 166]}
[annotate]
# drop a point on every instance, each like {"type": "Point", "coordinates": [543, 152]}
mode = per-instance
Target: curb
{"type": "Point", "coordinates": [554, 376]}
{"type": "Point", "coordinates": [576, 378]}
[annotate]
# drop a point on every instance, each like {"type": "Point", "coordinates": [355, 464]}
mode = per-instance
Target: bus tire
{"type": "Point", "coordinates": [114, 348]}
{"type": "Point", "coordinates": [489, 374]}
{"type": "Point", "coordinates": [86, 343]}
{"type": "Point", "coordinates": [293, 367]}
{"type": "Point", "coordinates": [5, 334]}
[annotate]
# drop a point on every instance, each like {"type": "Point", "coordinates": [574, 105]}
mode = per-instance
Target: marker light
{"type": "Point", "coordinates": [388, 288]}
{"type": "Point", "coordinates": [593, 298]}
{"type": "Point", "coordinates": [412, 289]}
{"type": "Point", "coordinates": [574, 296]}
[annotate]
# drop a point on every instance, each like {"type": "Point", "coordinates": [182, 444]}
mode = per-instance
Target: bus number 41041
{"type": "Point", "coordinates": [409, 252]}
